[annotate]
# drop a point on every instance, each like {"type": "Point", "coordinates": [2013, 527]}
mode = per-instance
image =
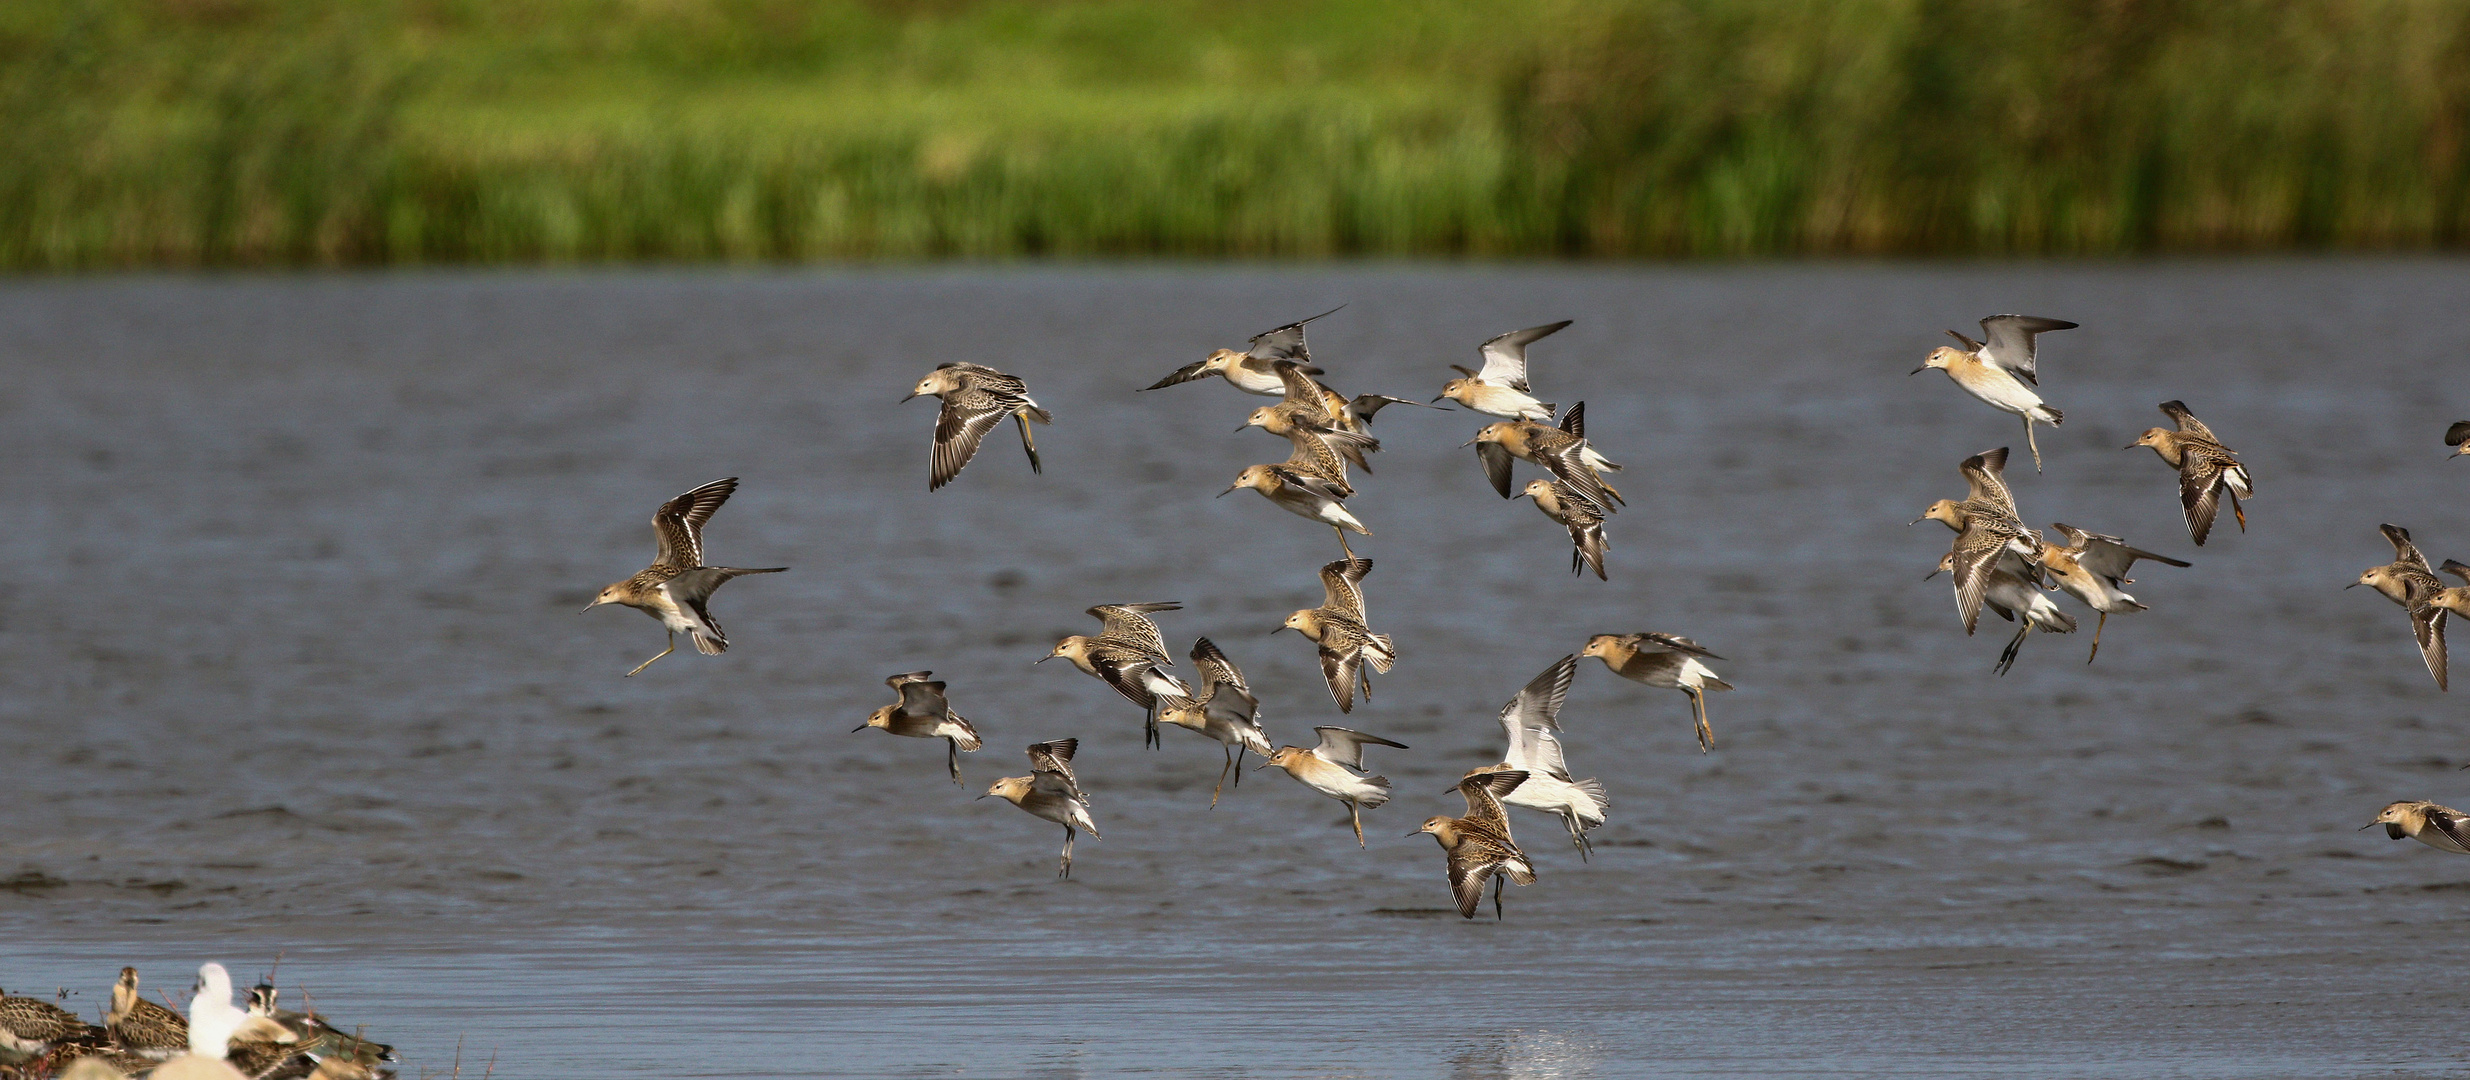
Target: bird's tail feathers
{"type": "Point", "coordinates": [968, 739]}
{"type": "Point", "coordinates": [1383, 654]}
{"type": "Point", "coordinates": [1378, 795]}
{"type": "Point", "coordinates": [1519, 870]}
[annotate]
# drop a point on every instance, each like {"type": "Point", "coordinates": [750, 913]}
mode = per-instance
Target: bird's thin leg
{"type": "Point", "coordinates": [2238, 512]}
{"type": "Point", "coordinates": [1706, 735]}
{"type": "Point", "coordinates": [2006, 660]}
{"type": "Point", "coordinates": [1342, 544]}
{"type": "Point", "coordinates": [673, 647]}
{"type": "Point", "coordinates": [1222, 771]}
{"type": "Point", "coordinates": [1578, 840]}
{"type": "Point", "coordinates": [2105, 621]}
{"type": "Point", "coordinates": [1028, 443]}
{"type": "Point", "coordinates": [1067, 854]}
{"type": "Point", "coordinates": [1149, 727]}
{"type": "Point", "coordinates": [1239, 760]}
{"type": "Point", "coordinates": [1355, 814]}
{"type": "Point", "coordinates": [952, 757]}
{"type": "Point", "coordinates": [2028, 441]}
{"type": "Point", "coordinates": [1496, 895]}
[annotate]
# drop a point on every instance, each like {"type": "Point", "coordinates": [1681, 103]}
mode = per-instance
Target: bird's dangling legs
{"type": "Point", "coordinates": [2105, 621]}
{"type": "Point", "coordinates": [2028, 441]}
{"type": "Point", "coordinates": [673, 647]}
{"type": "Point", "coordinates": [1342, 544]}
{"type": "Point", "coordinates": [1355, 814]}
{"type": "Point", "coordinates": [2237, 511]}
{"type": "Point", "coordinates": [1067, 854]}
{"type": "Point", "coordinates": [1706, 735]}
{"type": "Point", "coordinates": [1222, 771]}
{"type": "Point", "coordinates": [1496, 895]}
{"type": "Point", "coordinates": [1028, 443]}
{"type": "Point", "coordinates": [952, 758]}
{"type": "Point", "coordinates": [2006, 660]}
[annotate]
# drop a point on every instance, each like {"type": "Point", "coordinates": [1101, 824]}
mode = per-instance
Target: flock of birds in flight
{"type": "Point", "coordinates": [1995, 562]}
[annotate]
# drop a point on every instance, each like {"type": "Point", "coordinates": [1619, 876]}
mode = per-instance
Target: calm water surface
{"type": "Point", "coordinates": [293, 666]}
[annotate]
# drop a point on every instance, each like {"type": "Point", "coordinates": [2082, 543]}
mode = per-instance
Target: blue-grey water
{"type": "Point", "coordinates": [290, 665]}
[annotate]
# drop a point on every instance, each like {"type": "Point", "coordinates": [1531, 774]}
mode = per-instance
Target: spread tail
{"type": "Point", "coordinates": [1377, 796]}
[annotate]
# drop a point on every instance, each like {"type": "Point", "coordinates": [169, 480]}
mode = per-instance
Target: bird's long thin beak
{"type": "Point", "coordinates": [1230, 488]}
{"type": "Point", "coordinates": [1438, 397]}
{"type": "Point", "coordinates": [1041, 659]}
{"type": "Point", "coordinates": [1928, 576]}
{"type": "Point", "coordinates": [1470, 442]}
{"type": "Point", "coordinates": [1240, 430]}
{"type": "Point", "coordinates": [981, 796]}
{"type": "Point", "coordinates": [1420, 830]}
{"type": "Point", "coordinates": [1916, 521]}
{"type": "Point", "coordinates": [589, 606]}
{"type": "Point", "coordinates": [2351, 585]}
{"type": "Point", "coordinates": [1916, 371]}
{"type": "Point", "coordinates": [2131, 446]}
{"type": "Point", "coordinates": [2369, 825]}
{"type": "Point", "coordinates": [859, 728]}
{"type": "Point", "coordinates": [1262, 766]}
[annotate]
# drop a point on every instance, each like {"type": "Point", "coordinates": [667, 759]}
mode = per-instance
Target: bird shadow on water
{"type": "Point", "coordinates": [1527, 1054]}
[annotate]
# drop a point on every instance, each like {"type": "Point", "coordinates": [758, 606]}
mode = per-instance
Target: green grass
{"type": "Point", "coordinates": [287, 132]}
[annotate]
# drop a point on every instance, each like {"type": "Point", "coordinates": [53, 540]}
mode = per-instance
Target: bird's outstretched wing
{"type": "Point", "coordinates": [1345, 746]}
{"type": "Point", "coordinates": [1286, 342]}
{"type": "Point", "coordinates": [677, 527]}
{"type": "Point", "coordinates": [2010, 343]}
{"type": "Point", "coordinates": [1505, 356]}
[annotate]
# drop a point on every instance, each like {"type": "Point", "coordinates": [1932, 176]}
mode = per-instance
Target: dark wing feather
{"type": "Point", "coordinates": [1673, 643]}
{"type": "Point", "coordinates": [1183, 374]}
{"type": "Point", "coordinates": [2010, 343]}
{"type": "Point", "coordinates": [2405, 552]}
{"type": "Point", "coordinates": [677, 527]}
{"type": "Point", "coordinates": [1575, 421]}
{"type": "Point", "coordinates": [1985, 475]}
{"type": "Point", "coordinates": [1976, 554]}
{"type": "Point", "coordinates": [924, 699]}
{"type": "Point", "coordinates": [1466, 881]}
{"type": "Point", "coordinates": [2199, 492]}
{"type": "Point", "coordinates": [1340, 670]}
{"type": "Point", "coordinates": [2186, 421]}
{"type": "Point", "coordinates": [1505, 356]}
{"type": "Point", "coordinates": [1342, 587]}
{"type": "Point", "coordinates": [1211, 666]}
{"type": "Point", "coordinates": [1286, 342]}
{"type": "Point", "coordinates": [2427, 625]}
{"type": "Point", "coordinates": [2458, 434]}
{"type": "Point", "coordinates": [1495, 459]}
{"type": "Point", "coordinates": [1345, 746]}
{"type": "Point", "coordinates": [959, 427]}
{"type": "Point", "coordinates": [1129, 626]}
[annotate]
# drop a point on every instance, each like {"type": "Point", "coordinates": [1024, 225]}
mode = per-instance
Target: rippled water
{"type": "Point", "coordinates": [293, 666]}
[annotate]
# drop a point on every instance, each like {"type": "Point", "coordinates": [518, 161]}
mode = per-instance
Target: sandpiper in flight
{"type": "Point", "coordinates": [1478, 846]}
{"type": "Point", "coordinates": [2440, 827]}
{"type": "Point", "coordinates": [1347, 643]}
{"type": "Point", "coordinates": [1225, 711]}
{"type": "Point", "coordinates": [1050, 792]}
{"type": "Point", "coordinates": [1531, 723]}
{"type": "Point", "coordinates": [1576, 513]}
{"type": "Point", "coordinates": [1500, 389]}
{"type": "Point", "coordinates": [1562, 451]}
{"type": "Point", "coordinates": [2411, 583]}
{"type": "Point", "coordinates": [1331, 769]}
{"type": "Point", "coordinates": [924, 713]}
{"type": "Point", "coordinates": [677, 586]}
{"type": "Point", "coordinates": [1304, 493]}
{"type": "Point", "coordinates": [2002, 371]}
{"type": "Point", "coordinates": [1126, 655]}
{"type": "Point", "coordinates": [1250, 371]}
{"type": "Point", "coordinates": [1667, 660]}
{"type": "Point", "coordinates": [2205, 467]}
{"type": "Point", "coordinates": [2091, 568]}
{"type": "Point", "coordinates": [975, 399]}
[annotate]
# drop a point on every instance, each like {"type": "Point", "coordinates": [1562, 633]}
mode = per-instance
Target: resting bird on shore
{"type": "Point", "coordinates": [2205, 467]}
{"type": "Point", "coordinates": [1126, 655]}
{"type": "Point", "coordinates": [30, 1026]}
{"type": "Point", "coordinates": [141, 1026]}
{"type": "Point", "coordinates": [975, 399]}
{"type": "Point", "coordinates": [1531, 724]}
{"type": "Point", "coordinates": [1500, 389]}
{"type": "Point", "coordinates": [1330, 768]}
{"type": "Point", "coordinates": [1226, 711]}
{"type": "Point", "coordinates": [1050, 792]}
{"type": "Point", "coordinates": [2411, 583]}
{"type": "Point", "coordinates": [1347, 643]}
{"type": "Point", "coordinates": [924, 713]}
{"type": "Point", "coordinates": [1478, 846]}
{"type": "Point", "coordinates": [676, 588]}
{"type": "Point", "coordinates": [1251, 371]}
{"type": "Point", "coordinates": [2003, 371]}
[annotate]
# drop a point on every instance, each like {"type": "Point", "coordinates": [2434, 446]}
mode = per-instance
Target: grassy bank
{"type": "Point", "coordinates": [185, 132]}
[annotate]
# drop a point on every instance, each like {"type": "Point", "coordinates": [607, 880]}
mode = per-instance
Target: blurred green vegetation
{"type": "Point", "coordinates": [302, 132]}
